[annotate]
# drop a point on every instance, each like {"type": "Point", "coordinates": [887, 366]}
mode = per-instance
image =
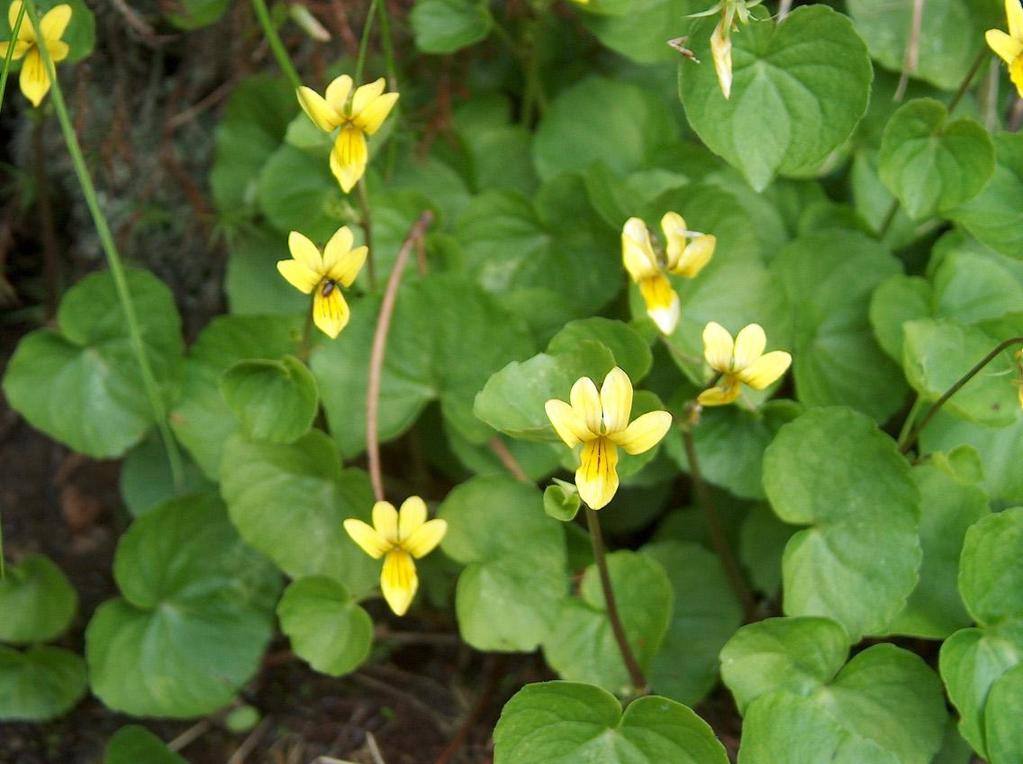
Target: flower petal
{"type": "Point", "coordinates": [330, 312]}
{"type": "Point", "coordinates": [637, 251]}
{"type": "Point", "coordinates": [298, 275]}
{"type": "Point", "coordinates": [385, 521]}
{"type": "Point", "coordinates": [727, 391]}
{"type": "Point", "coordinates": [1007, 48]}
{"type": "Point", "coordinates": [348, 157]}
{"type": "Point", "coordinates": [58, 50]}
{"type": "Point", "coordinates": [616, 400]}
{"type": "Point", "coordinates": [26, 34]}
{"type": "Point", "coordinates": [348, 266]}
{"type": "Point", "coordinates": [567, 423]}
{"type": "Point", "coordinates": [336, 256]}
{"type": "Point", "coordinates": [673, 226]}
{"type": "Point", "coordinates": [1016, 73]}
{"type": "Point", "coordinates": [749, 346]}
{"type": "Point", "coordinates": [1014, 15]}
{"type": "Point", "coordinates": [766, 370]}
{"type": "Point", "coordinates": [586, 402]}
{"type": "Point", "coordinates": [34, 81]}
{"type": "Point", "coordinates": [323, 115]}
{"type": "Point", "coordinates": [597, 476]}
{"type": "Point", "coordinates": [717, 346]}
{"type": "Point", "coordinates": [53, 24]}
{"type": "Point", "coordinates": [695, 256]}
{"type": "Point", "coordinates": [721, 52]}
{"type": "Point", "coordinates": [371, 117]}
{"type": "Point", "coordinates": [20, 48]}
{"type": "Point", "coordinates": [337, 93]}
{"type": "Point", "coordinates": [307, 253]}
{"type": "Point", "coordinates": [425, 540]}
{"type": "Point", "coordinates": [644, 433]}
{"type": "Point", "coordinates": [411, 517]}
{"type": "Point", "coordinates": [366, 94]}
{"type": "Point", "coordinates": [662, 303]}
{"type": "Point", "coordinates": [398, 580]}
{"type": "Point", "coordinates": [368, 539]}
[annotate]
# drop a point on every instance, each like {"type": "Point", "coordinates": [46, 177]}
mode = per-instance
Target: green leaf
{"type": "Point", "coordinates": [829, 278]}
{"type": "Point", "coordinates": [705, 615]}
{"type": "Point", "coordinates": [947, 508]}
{"type": "Point", "coordinates": [146, 478]}
{"type": "Point", "coordinates": [995, 215]}
{"type": "Point", "coordinates": [39, 684]}
{"type": "Point", "coordinates": [195, 615]}
{"type": "Point", "coordinates": [198, 13]}
{"type": "Point", "coordinates": [275, 401]}
{"type": "Point", "coordinates": [444, 26]}
{"type": "Point", "coordinates": [252, 283]}
{"type": "Point", "coordinates": [561, 501]}
{"type": "Point", "coordinates": [970, 287]}
{"type": "Point", "coordinates": [508, 595]}
{"type": "Point", "coordinates": [618, 124]}
{"type": "Point", "coordinates": [297, 192]}
{"type": "Point", "coordinates": [799, 88]}
{"type": "Point", "coordinates": [897, 300]}
{"type": "Point", "coordinates": [582, 647]}
{"type": "Point", "coordinates": [762, 542]}
{"type": "Point", "coordinates": [932, 164]}
{"type": "Point", "coordinates": [1002, 714]}
{"type": "Point", "coordinates": [641, 33]}
{"type": "Point", "coordinates": [37, 600]}
{"type": "Point", "coordinates": [326, 626]}
{"type": "Point", "coordinates": [134, 744]}
{"type": "Point", "coordinates": [202, 419]}
{"type": "Point", "coordinates": [80, 383]}
{"type": "Point", "coordinates": [563, 722]}
{"type": "Point", "coordinates": [936, 354]}
{"type": "Point", "coordinates": [991, 573]}
{"type": "Point", "coordinates": [857, 563]}
{"type": "Point", "coordinates": [80, 34]}
{"type": "Point", "coordinates": [631, 352]}
{"type": "Point", "coordinates": [289, 500]}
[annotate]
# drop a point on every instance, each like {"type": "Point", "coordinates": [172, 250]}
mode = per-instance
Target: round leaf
{"type": "Point", "coordinates": [444, 26]}
{"type": "Point", "coordinates": [1002, 713]}
{"type": "Point", "coordinates": [37, 600]}
{"type": "Point", "coordinates": [275, 401]}
{"type": "Point", "coordinates": [327, 628]}
{"type": "Point", "coordinates": [134, 744]}
{"type": "Point", "coordinates": [995, 215]}
{"type": "Point", "coordinates": [630, 350]}
{"type": "Point", "coordinates": [991, 572]}
{"type": "Point", "coordinates": [40, 683]}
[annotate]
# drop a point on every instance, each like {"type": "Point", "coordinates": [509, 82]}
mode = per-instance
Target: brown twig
{"type": "Point", "coordinates": [379, 349]}
{"type": "Point", "coordinates": [912, 57]}
{"type": "Point", "coordinates": [250, 742]}
{"type": "Point", "coordinates": [190, 735]}
{"type": "Point", "coordinates": [508, 459]}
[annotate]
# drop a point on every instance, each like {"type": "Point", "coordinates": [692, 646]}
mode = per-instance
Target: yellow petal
{"type": "Point", "coordinates": [365, 95]}
{"type": "Point", "coordinates": [13, 12]}
{"type": "Point", "coordinates": [662, 303]}
{"type": "Point", "coordinates": [385, 521]}
{"type": "Point", "coordinates": [673, 226]}
{"type": "Point", "coordinates": [368, 539]}
{"type": "Point", "coordinates": [425, 540]}
{"type": "Point", "coordinates": [721, 52]}
{"type": "Point", "coordinates": [717, 346]}
{"type": "Point", "coordinates": [597, 476]}
{"type": "Point", "coordinates": [58, 50]}
{"type": "Point", "coordinates": [637, 251]}
{"type": "Point", "coordinates": [298, 275]}
{"type": "Point", "coordinates": [53, 24]}
{"type": "Point", "coordinates": [323, 115]}
{"type": "Point", "coordinates": [749, 346]}
{"type": "Point", "coordinates": [348, 157]}
{"type": "Point", "coordinates": [398, 580]}
{"type": "Point", "coordinates": [616, 400]}
{"type": "Point", "coordinates": [330, 311]}
{"type": "Point", "coordinates": [586, 401]}
{"type": "Point", "coordinates": [695, 256]}
{"type": "Point", "coordinates": [766, 369]}
{"type": "Point", "coordinates": [1021, 395]}
{"type": "Point", "coordinates": [348, 266]}
{"type": "Point", "coordinates": [371, 117]}
{"type": "Point", "coordinates": [34, 81]}
{"type": "Point", "coordinates": [26, 34]}
{"type": "Point", "coordinates": [338, 246]}
{"type": "Point", "coordinates": [1014, 15]}
{"type": "Point", "coordinates": [20, 48]}
{"type": "Point", "coordinates": [567, 423]}
{"type": "Point", "coordinates": [337, 93]}
{"type": "Point", "coordinates": [1007, 48]}
{"type": "Point", "coordinates": [411, 517]}
{"type": "Point", "coordinates": [644, 433]}
{"type": "Point", "coordinates": [726, 392]}
{"type": "Point", "coordinates": [307, 253]}
{"type": "Point", "coordinates": [1016, 73]}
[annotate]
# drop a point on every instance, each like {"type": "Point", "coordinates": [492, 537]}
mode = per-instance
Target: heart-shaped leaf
{"type": "Point", "coordinates": [37, 601]}
{"type": "Point", "coordinates": [326, 626]}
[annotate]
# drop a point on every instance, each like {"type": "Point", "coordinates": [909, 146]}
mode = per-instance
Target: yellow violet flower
{"type": "Point", "coordinates": [1019, 369]}
{"type": "Point", "coordinates": [600, 421]}
{"type": "Point", "coordinates": [326, 273]}
{"type": "Point", "coordinates": [740, 362]}
{"type": "Point", "coordinates": [35, 80]}
{"type": "Point", "coordinates": [1009, 47]}
{"type": "Point", "coordinates": [682, 257]}
{"type": "Point", "coordinates": [398, 537]}
{"type": "Point", "coordinates": [358, 116]}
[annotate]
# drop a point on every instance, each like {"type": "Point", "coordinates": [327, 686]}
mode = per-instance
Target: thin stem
{"type": "Point", "coordinates": [533, 98]}
{"type": "Point", "coordinates": [113, 257]}
{"type": "Point", "coordinates": [914, 411]}
{"type": "Point", "coordinates": [889, 218]}
{"type": "Point", "coordinates": [10, 54]}
{"type": "Point", "coordinates": [274, 39]}
{"type": "Point", "coordinates": [907, 443]}
{"type": "Point", "coordinates": [717, 532]}
{"type": "Point", "coordinates": [387, 44]}
{"type": "Point", "coordinates": [628, 657]}
{"type": "Point", "coordinates": [307, 329]}
{"type": "Point", "coordinates": [379, 350]}
{"type": "Point", "coordinates": [367, 232]}
{"type": "Point", "coordinates": [367, 28]}
{"type": "Point", "coordinates": [507, 458]}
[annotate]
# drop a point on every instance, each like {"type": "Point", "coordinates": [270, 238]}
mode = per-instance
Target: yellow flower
{"type": "Point", "coordinates": [1009, 47]}
{"type": "Point", "coordinates": [35, 80]}
{"type": "Point", "coordinates": [721, 52]}
{"type": "Point", "coordinates": [740, 362]}
{"type": "Point", "coordinates": [601, 423]}
{"type": "Point", "coordinates": [326, 273]}
{"type": "Point", "coordinates": [682, 257]}
{"type": "Point", "coordinates": [398, 537]}
{"type": "Point", "coordinates": [358, 116]}
{"type": "Point", "coordinates": [1019, 368]}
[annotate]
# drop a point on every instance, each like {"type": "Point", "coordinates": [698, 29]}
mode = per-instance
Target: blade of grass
{"type": "Point", "coordinates": [3, 89]}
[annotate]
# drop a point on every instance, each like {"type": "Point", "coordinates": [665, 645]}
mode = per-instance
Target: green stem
{"type": "Point", "coordinates": [113, 257]}
{"type": "Point", "coordinates": [533, 99]}
{"type": "Point", "coordinates": [3, 83]}
{"type": "Point", "coordinates": [907, 443]}
{"type": "Point", "coordinates": [360, 63]}
{"type": "Point", "coordinates": [307, 328]}
{"type": "Point", "coordinates": [914, 411]}
{"type": "Point", "coordinates": [599, 557]}
{"type": "Point", "coordinates": [387, 44]}
{"type": "Point", "coordinates": [367, 229]}
{"type": "Point", "coordinates": [279, 51]}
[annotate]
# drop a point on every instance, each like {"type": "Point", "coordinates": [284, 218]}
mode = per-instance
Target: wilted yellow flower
{"type": "Point", "coordinates": [685, 254]}
{"type": "Point", "coordinates": [600, 421]}
{"type": "Point", "coordinates": [35, 80]}
{"type": "Point", "coordinates": [740, 362]}
{"type": "Point", "coordinates": [398, 537]}
{"type": "Point", "coordinates": [326, 273]}
{"type": "Point", "coordinates": [721, 53]}
{"type": "Point", "coordinates": [1009, 47]}
{"type": "Point", "coordinates": [358, 116]}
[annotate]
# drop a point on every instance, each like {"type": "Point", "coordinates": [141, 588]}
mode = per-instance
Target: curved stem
{"type": "Point", "coordinates": [7, 69]}
{"type": "Point", "coordinates": [907, 443]}
{"type": "Point", "coordinates": [113, 257]}
{"type": "Point", "coordinates": [379, 350]}
{"type": "Point", "coordinates": [274, 39]}
{"type": "Point", "coordinates": [718, 539]}
{"type": "Point", "coordinates": [367, 28]}
{"type": "Point", "coordinates": [628, 657]}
